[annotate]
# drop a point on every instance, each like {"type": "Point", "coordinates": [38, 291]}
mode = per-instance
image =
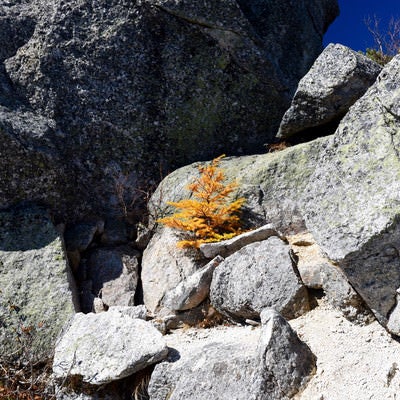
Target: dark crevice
{"type": "Point", "coordinates": [313, 296]}
{"type": "Point", "coordinates": [310, 134]}
{"type": "Point", "coordinates": [138, 298]}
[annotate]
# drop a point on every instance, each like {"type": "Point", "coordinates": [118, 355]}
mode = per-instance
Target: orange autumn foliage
{"type": "Point", "coordinates": [210, 216]}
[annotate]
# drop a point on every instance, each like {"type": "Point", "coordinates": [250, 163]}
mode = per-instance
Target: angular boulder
{"type": "Point", "coordinates": [192, 70]}
{"type": "Point", "coordinates": [227, 247]}
{"type": "Point", "coordinates": [337, 79]}
{"type": "Point", "coordinates": [192, 291]}
{"type": "Point", "coordinates": [37, 292]}
{"type": "Point", "coordinates": [352, 205]}
{"type": "Point", "coordinates": [105, 347]}
{"type": "Point", "coordinates": [285, 360]}
{"type": "Point", "coordinates": [234, 363]}
{"type": "Point", "coordinates": [259, 275]}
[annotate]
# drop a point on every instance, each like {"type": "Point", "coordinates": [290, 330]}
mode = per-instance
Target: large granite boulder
{"type": "Point", "coordinates": [37, 292]}
{"type": "Point", "coordinates": [273, 184]}
{"type": "Point", "coordinates": [234, 363]}
{"type": "Point", "coordinates": [105, 347]}
{"type": "Point", "coordinates": [257, 276]}
{"type": "Point", "coordinates": [352, 205]}
{"type": "Point", "coordinates": [103, 84]}
{"type": "Point", "coordinates": [337, 79]}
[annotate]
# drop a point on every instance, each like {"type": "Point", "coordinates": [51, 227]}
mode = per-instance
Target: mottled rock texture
{"type": "Point", "coordinates": [257, 276]}
{"type": "Point", "coordinates": [37, 292]}
{"type": "Point", "coordinates": [92, 92]}
{"type": "Point", "coordinates": [337, 79]}
{"type": "Point", "coordinates": [105, 347]}
{"type": "Point", "coordinates": [286, 363]}
{"type": "Point", "coordinates": [318, 272]}
{"type": "Point", "coordinates": [353, 202]}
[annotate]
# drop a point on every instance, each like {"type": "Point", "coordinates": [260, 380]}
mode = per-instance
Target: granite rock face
{"type": "Point", "coordinates": [337, 79]}
{"type": "Point", "coordinates": [286, 362]}
{"type": "Point", "coordinates": [353, 202]}
{"type": "Point", "coordinates": [258, 276]}
{"type": "Point", "coordinates": [102, 83]}
{"type": "Point", "coordinates": [37, 292]}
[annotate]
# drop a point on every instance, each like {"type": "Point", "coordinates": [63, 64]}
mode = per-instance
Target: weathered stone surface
{"type": "Point", "coordinates": [29, 161]}
{"type": "Point", "coordinates": [17, 24]}
{"type": "Point", "coordinates": [259, 275]}
{"type": "Point", "coordinates": [273, 185]}
{"type": "Point", "coordinates": [286, 363]}
{"type": "Point", "coordinates": [97, 305]}
{"type": "Point", "coordinates": [164, 266]}
{"type": "Point", "coordinates": [193, 290]}
{"type": "Point", "coordinates": [342, 295]}
{"type": "Point", "coordinates": [37, 292]}
{"type": "Point", "coordinates": [104, 347]}
{"type": "Point", "coordinates": [318, 272]}
{"type": "Point", "coordinates": [68, 394]}
{"type": "Point", "coordinates": [393, 324]}
{"type": "Point", "coordinates": [139, 312]}
{"type": "Point", "coordinates": [227, 247]}
{"type": "Point", "coordinates": [310, 261]}
{"type": "Point", "coordinates": [337, 79]}
{"type": "Point", "coordinates": [233, 363]}
{"type": "Point", "coordinates": [114, 274]}
{"type": "Point", "coordinates": [192, 69]}
{"type": "Point", "coordinates": [214, 364]}
{"type": "Point", "coordinates": [353, 199]}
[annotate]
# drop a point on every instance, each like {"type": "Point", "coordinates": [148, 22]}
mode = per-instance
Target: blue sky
{"type": "Point", "coordinates": [349, 28]}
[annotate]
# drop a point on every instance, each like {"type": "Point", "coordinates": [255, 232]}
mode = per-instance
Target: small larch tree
{"type": "Point", "coordinates": [211, 215]}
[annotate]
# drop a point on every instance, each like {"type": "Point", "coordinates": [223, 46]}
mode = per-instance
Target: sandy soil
{"type": "Point", "coordinates": [354, 362]}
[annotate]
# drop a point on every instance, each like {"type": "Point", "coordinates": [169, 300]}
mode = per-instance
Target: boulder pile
{"type": "Point", "coordinates": [87, 90]}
